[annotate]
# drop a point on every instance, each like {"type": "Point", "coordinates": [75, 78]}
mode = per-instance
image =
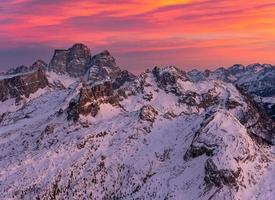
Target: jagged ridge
{"type": "Point", "coordinates": [107, 134]}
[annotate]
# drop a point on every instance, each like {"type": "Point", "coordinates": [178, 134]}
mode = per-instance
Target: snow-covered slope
{"type": "Point", "coordinates": [258, 80]}
{"type": "Point", "coordinates": [165, 138]}
{"type": "Point", "coordinates": [160, 135]}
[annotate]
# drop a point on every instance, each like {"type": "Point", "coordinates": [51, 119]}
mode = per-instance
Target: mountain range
{"type": "Point", "coordinates": [80, 127]}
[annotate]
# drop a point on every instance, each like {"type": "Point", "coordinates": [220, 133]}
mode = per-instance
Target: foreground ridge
{"type": "Point", "coordinates": [83, 128]}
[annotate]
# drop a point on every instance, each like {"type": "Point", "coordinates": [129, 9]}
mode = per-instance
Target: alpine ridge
{"type": "Point", "coordinates": [80, 127]}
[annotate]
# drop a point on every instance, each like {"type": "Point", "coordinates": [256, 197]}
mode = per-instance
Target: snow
{"type": "Point", "coordinates": [2, 77]}
{"type": "Point", "coordinates": [106, 111]}
{"type": "Point", "coordinates": [38, 93]}
{"type": "Point", "coordinates": [268, 100]}
{"type": "Point", "coordinates": [66, 80]}
{"type": "Point", "coordinates": [8, 106]}
{"type": "Point", "coordinates": [117, 155]}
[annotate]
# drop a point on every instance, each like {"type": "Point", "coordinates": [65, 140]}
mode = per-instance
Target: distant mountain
{"type": "Point", "coordinates": [256, 79]}
{"type": "Point", "coordinates": [82, 128]}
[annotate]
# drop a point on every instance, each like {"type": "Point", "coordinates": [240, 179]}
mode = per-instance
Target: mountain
{"type": "Point", "coordinates": [74, 61]}
{"type": "Point", "coordinates": [95, 131]}
{"type": "Point", "coordinates": [258, 80]}
{"type": "Point", "coordinates": [24, 69]}
{"type": "Point", "coordinates": [14, 86]}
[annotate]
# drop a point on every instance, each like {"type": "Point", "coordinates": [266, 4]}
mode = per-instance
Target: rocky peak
{"type": "Point", "coordinates": [17, 70]}
{"type": "Point", "coordinates": [134, 147]}
{"type": "Point", "coordinates": [167, 77]}
{"type": "Point", "coordinates": [148, 113]}
{"type": "Point", "coordinates": [254, 66]}
{"type": "Point", "coordinates": [16, 86]}
{"type": "Point", "coordinates": [89, 99]}
{"type": "Point", "coordinates": [79, 52]}
{"type": "Point", "coordinates": [105, 53]}
{"type": "Point", "coordinates": [74, 61]}
{"type": "Point", "coordinates": [257, 79]}
{"type": "Point", "coordinates": [196, 75]}
{"type": "Point", "coordinates": [104, 59]}
{"type": "Point", "coordinates": [103, 67]}
{"type": "Point", "coordinates": [96, 74]}
{"type": "Point", "coordinates": [59, 61]}
{"type": "Point", "coordinates": [24, 69]}
{"type": "Point", "coordinates": [101, 81]}
{"type": "Point", "coordinates": [237, 68]}
{"type": "Point", "coordinates": [39, 64]}
{"type": "Point", "coordinates": [80, 49]}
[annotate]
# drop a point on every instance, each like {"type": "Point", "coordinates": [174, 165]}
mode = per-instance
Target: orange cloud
{"type": "Point", "coordinates": [215, 31]}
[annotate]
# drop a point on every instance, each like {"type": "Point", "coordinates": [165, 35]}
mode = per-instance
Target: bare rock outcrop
{"type": "Point", "coordinates": [74, 61]}
{"type": "Point", "coordinates": [148, 113]}
{"type": "Point", "coordinates": [16, 86]}
{"type": "Point", "coordinates": [90, 97]}
{"type": "Point", "coordinates": [219, 177]}
{"type": "Point", "coordinates": [227, 146]}
{"type": "Point", "coordinates": [17, 70]}
{"type": "Point", "coordinates": [102, 80]}
{"type": "Point", "coordinates": [103, 67]}
{"type": "Point", "coordinates": [38, 64]}
{"type": "Point", "coordinates": [168, 76]}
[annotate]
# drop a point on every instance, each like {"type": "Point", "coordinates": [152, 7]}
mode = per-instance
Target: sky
{"type": "Point", "coordinates": [141, 34]}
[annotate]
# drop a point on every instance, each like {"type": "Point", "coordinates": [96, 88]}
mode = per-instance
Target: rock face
{"type": "Point", "coordinates": [224, 164]}
{"type": "Point", "coordinates": [17, 70]}
{"type": "Point", "coordinates": [96, 74]}
{"type": "Point", "coordinates": [39, 64]}
{"type": "Point", "coordinates": [19, 85]}
{"type": "Point", "coordinates": [102, 92]}
{"type": "Point", "coordinates": [101, 81]}
{"type": "Point", "coordinates": [89, 100]}
{"type": "Point", "coordinates": [258, 80]}
{"type": "Point", "coordinates": [184, 140]}
{"type": "Point", "coordinates": [103, 67]}
{"type": "Point", "coordinates": [256, 120]}
{"type": "Point", "coordinates": [169, 76]}
{"type": "Point", "coordinates": [104, 59]}
{"type": "Point", "coordinates": [121, 78]}
{"type": "Point", "coordinates": [111, 135]}
{"type": "Point", "coordinates": [74, 61]}
{"type": "Point", "coordinates": [148, 113]}
{"type": "Point", "coordinates": [220, 177]}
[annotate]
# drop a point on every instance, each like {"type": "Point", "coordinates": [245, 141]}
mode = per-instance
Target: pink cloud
{"type": "Point", "coordinates": [183, 30]}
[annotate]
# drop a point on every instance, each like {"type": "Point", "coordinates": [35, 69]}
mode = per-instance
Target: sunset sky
{"type": "Point", "coordinates": [141, 33]}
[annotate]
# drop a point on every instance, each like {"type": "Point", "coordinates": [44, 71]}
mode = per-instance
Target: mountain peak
{"type": "Point", "coordinates": [105, 53]}
{"type": "Point", "coordinates": [73, 61]}
{"type": "Point", "coordinates": [80, 50]}
{"type": "Point", "coordinates": [104, 59]}
{"type": "Point", "coordinates": [79, 45]}
{"type": "Point", "coordinates": [112, 135]}
{"type": "Point", "coordinates": [39, 64]}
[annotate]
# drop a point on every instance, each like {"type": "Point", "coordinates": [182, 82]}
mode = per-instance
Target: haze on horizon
{"type": "Point", "coordinates": [186, 33]}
